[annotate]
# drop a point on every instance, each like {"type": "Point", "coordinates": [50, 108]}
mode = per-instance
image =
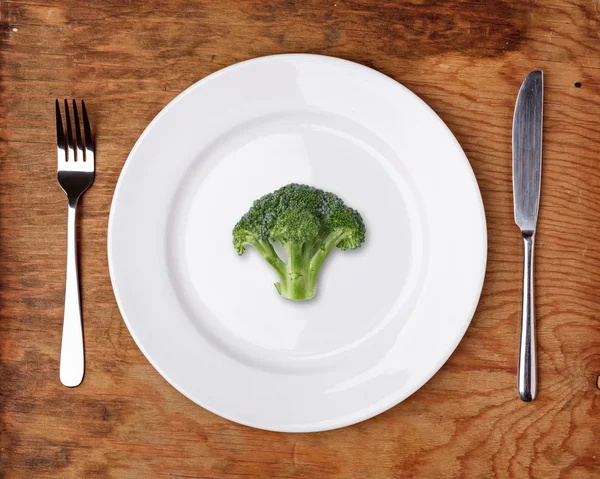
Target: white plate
{"type": "Point", "coordinates": [386, 316]}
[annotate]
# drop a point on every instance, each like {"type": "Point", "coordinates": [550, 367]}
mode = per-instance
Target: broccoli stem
{"type": "Point", "coordinates": [296, 283]}
{"type": "Point", "coordinates": [298, 279]}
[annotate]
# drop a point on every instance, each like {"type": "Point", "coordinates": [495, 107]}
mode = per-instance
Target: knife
{"type": "Point", "coordinates": [527, 170]}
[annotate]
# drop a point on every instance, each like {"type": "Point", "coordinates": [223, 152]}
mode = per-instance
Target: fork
{"type": "Point", "coordinates": [75, 175]}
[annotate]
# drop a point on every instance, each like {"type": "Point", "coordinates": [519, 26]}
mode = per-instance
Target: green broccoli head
{"type": "Point", "coordinates": [309, 223]}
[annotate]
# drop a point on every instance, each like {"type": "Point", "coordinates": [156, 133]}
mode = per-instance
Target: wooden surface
{"type": "Point", "coordinates": [464, 58]}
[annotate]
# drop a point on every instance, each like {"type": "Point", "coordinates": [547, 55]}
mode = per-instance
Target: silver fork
{"type": "Point", "coordinates": [75, 176]}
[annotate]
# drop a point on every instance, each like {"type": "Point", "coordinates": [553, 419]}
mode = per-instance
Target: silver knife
{"type": "Point", "coordinates": [527, 171]}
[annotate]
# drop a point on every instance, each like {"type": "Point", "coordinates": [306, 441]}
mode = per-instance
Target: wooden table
{"type": "Point", "coordinates": [464, 58]}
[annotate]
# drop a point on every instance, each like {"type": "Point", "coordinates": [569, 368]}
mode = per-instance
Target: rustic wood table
{"type": "Point", "coordinates": [464, 58]}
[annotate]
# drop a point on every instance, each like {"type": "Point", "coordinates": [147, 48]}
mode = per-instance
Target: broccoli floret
{"type": "Point", "coordinates": [309, 223]}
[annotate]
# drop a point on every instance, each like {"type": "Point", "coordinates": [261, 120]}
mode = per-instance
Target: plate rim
{"type": "Point", "coordinates": [377, 407]}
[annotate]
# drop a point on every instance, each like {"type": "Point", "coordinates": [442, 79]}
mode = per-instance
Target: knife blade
{"type": "Point", "coordinates": [527, 151]}
{"type": "Point", "coordinates": [527, 173]}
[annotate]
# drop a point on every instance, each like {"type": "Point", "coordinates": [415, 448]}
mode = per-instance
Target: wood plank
{"type": "Point", "coordinates": [466, 59]}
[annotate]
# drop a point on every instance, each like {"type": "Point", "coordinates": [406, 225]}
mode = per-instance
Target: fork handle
{"type": "Point", "coordinates": [527, 356]}
{"type": "Point", "coordinates": [71, 355]}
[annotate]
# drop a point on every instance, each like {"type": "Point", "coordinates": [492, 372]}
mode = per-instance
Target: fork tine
{"type": "Point", "coordinates": [69, 133]}
{"type": "Point", "coordinates": [80, 155]}
{"type": "Point", "coordinates": [87, 131]}
{"type": "Point", "coordinates": [60, 135]}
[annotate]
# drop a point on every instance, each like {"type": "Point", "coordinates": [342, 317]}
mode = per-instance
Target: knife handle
{"type": "Point", "coordinates": [527, 361]}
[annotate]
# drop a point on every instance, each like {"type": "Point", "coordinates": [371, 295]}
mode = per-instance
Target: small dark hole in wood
{"type": "Point", "coordinates": [577, 84]}
{"type": "Point", "coordinates": [598, 381]}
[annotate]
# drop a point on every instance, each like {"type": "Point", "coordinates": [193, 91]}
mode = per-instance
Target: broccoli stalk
{"type": "Point", "coordinates": [309, 223]}
{"type": "Point", "coordinates": [299, 280]}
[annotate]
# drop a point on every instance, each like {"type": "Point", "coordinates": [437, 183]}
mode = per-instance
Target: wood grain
{"type": "Point", "coordinates": [466, 59]}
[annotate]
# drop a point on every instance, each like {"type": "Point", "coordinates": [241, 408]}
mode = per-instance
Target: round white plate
{"type": "Point", "coordinates": [386, 316]}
